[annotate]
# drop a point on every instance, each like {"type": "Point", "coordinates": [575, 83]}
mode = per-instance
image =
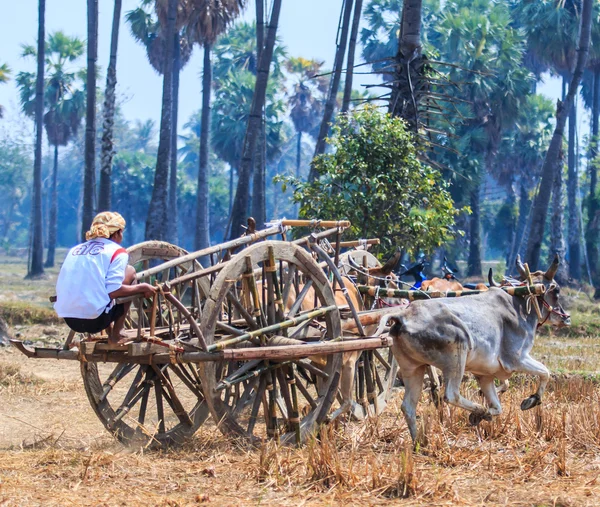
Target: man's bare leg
{"type": "Point", "coordinates": [114, 335]}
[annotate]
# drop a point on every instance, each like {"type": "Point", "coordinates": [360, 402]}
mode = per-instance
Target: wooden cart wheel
{"type": "Point", "coordinates": [142, 403]}
{"type": "Point", "coordinates": [259, 399]}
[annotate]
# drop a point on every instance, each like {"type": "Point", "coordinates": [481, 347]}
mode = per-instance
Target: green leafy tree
{"type": "Point", "coordinates": [374, 179]}
{"type": "Point", "coordinates": [64, 103]}
{"type": "Point", "coordinates": [15, 174]}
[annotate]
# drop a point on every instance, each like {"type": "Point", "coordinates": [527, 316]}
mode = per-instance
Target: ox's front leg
{"type": "Point", "coordinates": [533, 367]}
{"type": "Point", "coordinates": [453, 377]}
{"type": "Point", "coordinates": [490, 393]}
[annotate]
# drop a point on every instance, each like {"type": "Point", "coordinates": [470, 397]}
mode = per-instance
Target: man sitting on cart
{"type": "Point", "coordinates": [93, 275]}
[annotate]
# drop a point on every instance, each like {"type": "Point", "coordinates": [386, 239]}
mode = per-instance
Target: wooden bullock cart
{"type": "Point", "coordinates": [249, 332]}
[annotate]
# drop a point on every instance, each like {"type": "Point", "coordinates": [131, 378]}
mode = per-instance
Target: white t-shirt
{"type": "Point", "coordinates": [90, 272]}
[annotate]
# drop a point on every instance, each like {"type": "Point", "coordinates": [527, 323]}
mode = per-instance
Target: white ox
{"type": "Point", "coordinates": [490, 335]}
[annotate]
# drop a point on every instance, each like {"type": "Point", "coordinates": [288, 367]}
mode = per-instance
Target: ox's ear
{"type": "Point", "coordinates": [521, 268]}
{"type": "Point", "coordinates": [491, 279]}
{"type": "Point", "coordinates": [551, 272]}
{"type": "Point", "coordinates": [391, 263]}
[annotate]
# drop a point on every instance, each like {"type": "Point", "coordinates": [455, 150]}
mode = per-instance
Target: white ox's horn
{"type": "Point", "coordinates": [521, 268]}
{"type": "Point", "coordinates": [551, 272]}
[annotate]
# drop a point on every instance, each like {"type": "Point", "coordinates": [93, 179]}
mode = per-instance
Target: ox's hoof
{"type": "Point", "coordinates": [476, 418]}
{"type": "Point", "coordinates": [533, 401]}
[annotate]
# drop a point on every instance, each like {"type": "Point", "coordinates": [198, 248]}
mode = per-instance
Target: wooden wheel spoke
{"type": "Point", "coordinates": [246, 396]}
{"type": "Point", "coordinates": [257, 403]}
{"type": "Point", "coordinates": [144, 404]}
{"type": "Point", "coordinates": [186, 380]}
{"type": "Point", "coordinates": [119, 373]}
{"type": "Point", "coordinates": [298, 303]}
{"type": "Point", "coordinates": [172, 398]}
{"type": "Point", "coordinates": [380, 358]}
{"type": "Point", "coordinates": [306, 364]}
{"type": "Point", "coordinates": [283, 389]}
{"type": "Point", "coordinates": [160, 411]}
{"type": "Point", "coordinates": [243, 312]}
{"type": "Point", "coordinates": [304, 391]}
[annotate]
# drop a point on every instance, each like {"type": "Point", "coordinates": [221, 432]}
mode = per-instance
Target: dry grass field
{"type": "Point", "coordinates": [54, 451]}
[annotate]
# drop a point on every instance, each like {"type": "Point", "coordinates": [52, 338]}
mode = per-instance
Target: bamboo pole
{"type": "Point", "coordinates": [268, 329]}
{"type": "Point", "coordinates": [344, 224]}
{"type": "Point", "coordinates": [412, 295]}
{"type": "Point", "coordinates": [271, 231]}
{"type": "Point", "coordinates": [359, 242]}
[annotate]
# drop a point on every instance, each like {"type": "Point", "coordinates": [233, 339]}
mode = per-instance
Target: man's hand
{"type": "Point", "coordinates": [146, 289]}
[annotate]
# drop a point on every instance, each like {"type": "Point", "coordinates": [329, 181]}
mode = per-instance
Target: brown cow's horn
{"type": "Point", "coordinates": [551, 272]}
{"type": "Point", "coordinates": [521, 268]}
{"type": "Point", "coordinates": [389, 266]}
{"type": "Point", "coordinates": [491, 280]}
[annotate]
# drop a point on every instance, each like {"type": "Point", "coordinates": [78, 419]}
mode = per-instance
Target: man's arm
{"type": "Point", "coordinates": [131, 290]}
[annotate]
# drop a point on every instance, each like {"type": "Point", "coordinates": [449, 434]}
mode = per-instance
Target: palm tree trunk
{"type": "Point", "coordinates": [240, 204]}
{"type": "Point", "coordinates": [351, 51]}
{"type": "Point", "coordinates": [157, 220]}
{"type": "Point", "coordinates": [406, 89]}
{"type": "Point", "coordinates": [335, 85]}
{"type": "Point", "coordinates": [173, 225]}
{"type": "Point", "coordinates": [298, 154]}
{"type": "Point", "coordinates": [202, 237]}
{"type": "Point", "coordinates": [258, 181]}
{"type": "Point", "coordinates": [524, 207]}
{"type": "Point", "coordinates": [104, 199]}
{"type": "Point", "coordinates": [593, 202]}
{"type": "Point", "coordinates": [548, 169]}
{"type": "Point", "coordinates": [52, 226]}
{"type": "Point", "coordinates": [557, 239]}
{"type": "Point", "coordinates": [511, 233]}
{"type": "Point", "coordinates": [474, 261]}
{"type": "Point", "coordinates": [36, 257]}
{"type": "Point", "coordinates": [231, 171]}
{"type": "Point", "coordinates": [89, 175]}
{"type": "Point", "coordinates": [572, 188]}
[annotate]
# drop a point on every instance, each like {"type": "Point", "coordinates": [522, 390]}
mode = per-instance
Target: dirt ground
{"type": "Point", "coordinates": [54, 451]}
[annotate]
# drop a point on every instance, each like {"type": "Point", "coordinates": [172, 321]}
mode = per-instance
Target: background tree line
{"type": "Point", "coordinates": [461, 74]}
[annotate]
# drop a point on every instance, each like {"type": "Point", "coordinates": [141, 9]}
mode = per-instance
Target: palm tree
{"type": "Point", "coordinates": [89, 174]}
{"type": "Point", "coordinates": [306, 102]}
{"type": "Point", "coordinates": [64, 105]}
{"type": "Point", "coordinates": [4, 77]}
{"type": "Point", "coordinates": [488, 52]}
{"type": "Point", "coordinates": [590, 91]}
{"type": "Point", "coordinates": [551, 28]}
{"type": "Point", "coordinates": [240, 204]}
{"type": "Point", "coordinates": [35, 265]}
{"type": "Point", "coordinates": [379, 38]}
{"type": "Point", "coordinates": [208, 20]}
{"type": "Point", "coordinates": [338, 64]}
{"type": "Point", "coordinates": [166, 53]}
{"type": "Point", "coordinates": [104, 199]}
{"type": "Point", "coordinates": [351, 51]}
{"type": "Point", "coordinates": [231, 111]}
{"type": "Point", "coordinates": [550, 162]}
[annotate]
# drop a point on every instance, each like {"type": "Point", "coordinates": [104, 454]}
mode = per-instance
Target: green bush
{"type": "Point", "coordinates": [374, 179]}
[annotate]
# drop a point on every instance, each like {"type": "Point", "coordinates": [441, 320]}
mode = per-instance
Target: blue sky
{"type": "Point", "coordinates": [302, 31]}
{"type": "Point", "coordinates": [307, 28]}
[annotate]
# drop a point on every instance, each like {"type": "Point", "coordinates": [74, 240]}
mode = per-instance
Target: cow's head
{"type": "Point", "coordinates": [552, 311]}
{"type": "Point", "coordinates": [384, 276]}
